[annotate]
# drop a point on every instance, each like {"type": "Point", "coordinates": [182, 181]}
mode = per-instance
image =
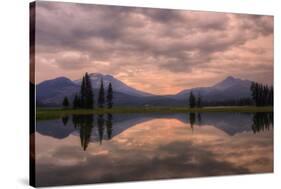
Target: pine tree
{"type": "Point", "coordinates": [199, 102]}
{"type": "Point", "coordinates": [65, 102]}
{"type": "Point", "coordinates": [83, 93]}
{"type": "Point", "coordinates": [262, 95]}
{"type": "Point", "coordinates": [101, 95]}
{"type": "Point", "coordinates": [89, 96]}
{"type": "Point", "coordinates": [109, 96]}
{"type": "Point", "coordinates": [265, 95]}
{"type": "Point", "coordinates": [75, 103]}
{"type": "Point", "coordinates": [254, 92]}
{"type": "Point", "coordinates": [86, 99]}
{"type": "Point", "coordinates": [192, 100]}
{"type": "Point", "coordinates": [79, 104]}
{"type": "Point", "coordinates": [271, 96]}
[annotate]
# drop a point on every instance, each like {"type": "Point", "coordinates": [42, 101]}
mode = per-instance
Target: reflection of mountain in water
{"type": "Point", "coordinates": [55, 128]}
{"type": "Point", "coordinates": [230, 123]}
{"type": "Point", "coordinates": [104, 127]}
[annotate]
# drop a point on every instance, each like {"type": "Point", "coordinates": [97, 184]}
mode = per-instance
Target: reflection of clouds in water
{"type": "Point", "coordinates": [160, 148]}
{"type": "Point", "coordinates": [256, 152]}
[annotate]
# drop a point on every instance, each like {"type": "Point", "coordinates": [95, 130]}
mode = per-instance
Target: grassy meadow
{"type": "Point", "coordinates": [53, 113]}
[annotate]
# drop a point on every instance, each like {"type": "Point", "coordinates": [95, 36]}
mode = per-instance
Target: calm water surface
{"type": "Point", "coordinates": [129, 147]}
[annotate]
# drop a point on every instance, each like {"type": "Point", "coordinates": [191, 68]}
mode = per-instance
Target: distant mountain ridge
{"type": "Point", "coordinates": [227, 89]}
{"type": "Point", "coordinates": [118, 85]}
{"type": "Point", "coordinates": [51, 92]}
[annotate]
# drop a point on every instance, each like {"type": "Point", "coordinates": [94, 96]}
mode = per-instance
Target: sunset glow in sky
{"type": "Point", "coordinates": [154, 50]}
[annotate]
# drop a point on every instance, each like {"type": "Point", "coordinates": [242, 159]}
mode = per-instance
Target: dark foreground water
{"type": "Point", "coordinates": [130, 147]}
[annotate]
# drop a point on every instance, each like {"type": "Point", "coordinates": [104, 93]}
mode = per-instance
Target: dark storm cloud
{"type": "Point", "coordinates": [261, 24]}
{"type": "Point", "coordinates": [168, 40]}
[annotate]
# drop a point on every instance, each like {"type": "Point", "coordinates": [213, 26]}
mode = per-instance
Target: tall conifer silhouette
{"type": "Point", "coordinates": [101, 95]}
{"type": "Point", "coordinates": [109, 97]}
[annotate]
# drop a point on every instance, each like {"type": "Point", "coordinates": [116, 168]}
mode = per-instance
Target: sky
{"type": "Point", "coordinates": [159, 51]}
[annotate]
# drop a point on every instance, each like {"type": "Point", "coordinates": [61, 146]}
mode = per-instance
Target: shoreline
{"type": "Point", "coordinates": [47, 113]}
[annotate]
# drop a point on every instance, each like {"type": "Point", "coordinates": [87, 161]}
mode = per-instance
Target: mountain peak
{"type": "Point", "coordinates": [57, 80]}
{"type": "Point", "coordinates": [227, 82]}
{"type": "Point", "coordinates": [118, 85]}
{"type": "Point", "coordinates": [230, 78]}
{"type": "Point", "coordinates": [98, 75]}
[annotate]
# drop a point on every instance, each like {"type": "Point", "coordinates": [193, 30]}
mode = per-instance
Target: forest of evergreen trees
{"type": "Point", "coordinates": [86, 99]}
{"type": "Point", "coordinates": [262, 94]}
{"type": "Point", "coordinates": [238, 102]}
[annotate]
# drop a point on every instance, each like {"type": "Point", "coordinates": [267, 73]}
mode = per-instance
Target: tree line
{"type": "Point", "coordinates": [198, 102]}
{"type": "Point", "coordinates": [85, 99]}
{"type": "Point", "coordinates": [195, 102]}
{"type": "Point", "coordinates": [262, 121]}
{"type": "Point", "coordinates": [262, 95]}
{"type": "Point", "coordinates": [230, 102]}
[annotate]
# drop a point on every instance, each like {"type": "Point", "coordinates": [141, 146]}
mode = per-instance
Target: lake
{"type": "Point", "coordinates": [84, 149]}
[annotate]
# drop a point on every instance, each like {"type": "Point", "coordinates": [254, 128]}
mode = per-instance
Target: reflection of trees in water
{"type": "Point", "coordinates": [199, 118]}
{"type": "Point", "coordinates": [85, 124]}
{"type": "Point", "coordinates": [262, 121]}
{"type": "Point", "coordinates": [109, 126]}
{"type": "Point", "coordinates": [192, 119]}
{"type": "Point", "coordinates": [65, 120]}
{"type": "Point", "coordinates": [74, 120]}
{"type": "Point", "coordinates": [100, 127]}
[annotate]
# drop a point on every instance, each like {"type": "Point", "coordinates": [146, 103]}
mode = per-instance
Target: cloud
{"type": "Point", "coordinates": [158, 41]}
